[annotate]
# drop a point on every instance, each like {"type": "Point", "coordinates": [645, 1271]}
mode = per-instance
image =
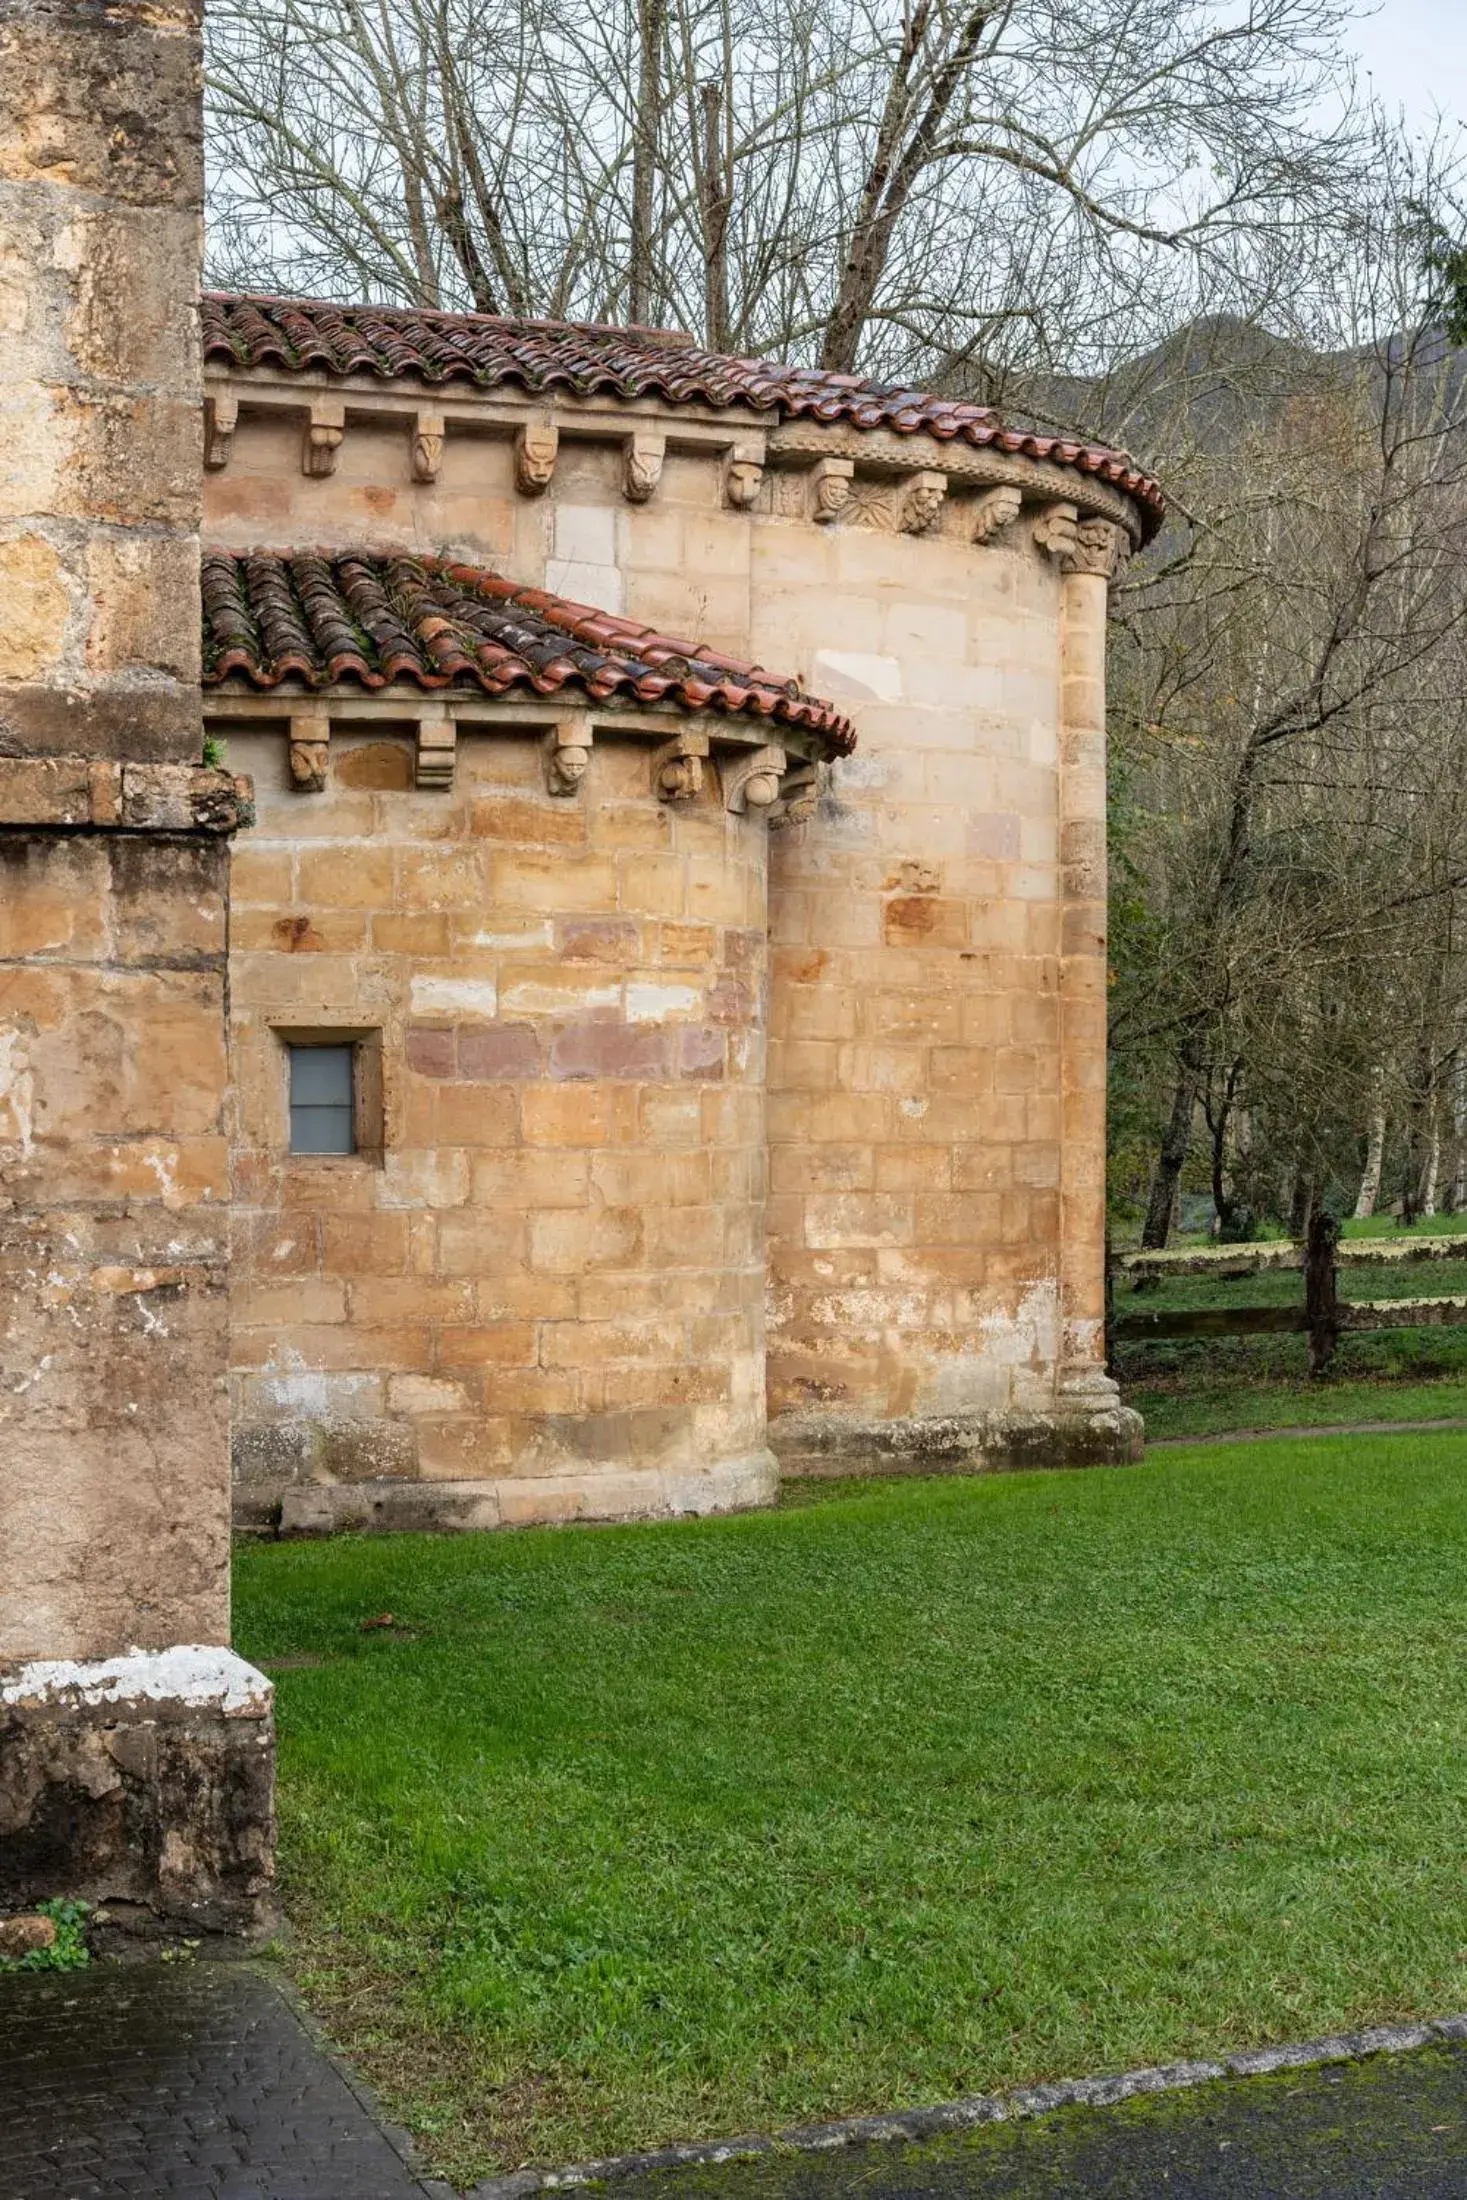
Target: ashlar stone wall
{"type": "Point", "coordinates": [936, 1004]}
{"type": "Point", "coordinates": [136, 1750]}
{"type": "Point", "coordinates": [543, 1291]}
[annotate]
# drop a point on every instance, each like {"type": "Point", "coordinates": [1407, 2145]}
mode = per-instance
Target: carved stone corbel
{"type": "Point", "coordinates": [310, 752]}
{"type": "Point", "coordinates": [325, 427]}
{"type": "Point", "coordinates": [567, 755]}
{"type": "Point", "coordinates": [1101, 548]}
{"type": "Point", "coordinates": [436, 749]}
{"type": "Point", "coordinates": [751, 780]}
{"type": "Point", "coordinates": [799, 791]}
{"type": "Point", "coordinates": [921, 501]}
{"type": "Point", "coordinates": [427, 453]}
{"type": "Point", "coordinates": [830, 488]}
{"type": "Point", "coordinates": [993, 511]}
{"type": "Point", "coordinates": [642, 465]}
{"type": "Point", "coordinates": [221, 417]}
{"type": "Point", "coordinates": [743, 476]}
{"type": "Point", "coordinates": [536, 448]}
{"type": "Point", "coordinates": [1056, 532]}
{"type": "Point", "coordinates": [677, 767]}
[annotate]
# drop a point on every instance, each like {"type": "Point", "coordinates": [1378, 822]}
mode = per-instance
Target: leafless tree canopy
{"type": "Point", "coordinates": [950, 188]}
{"type": "Point", "coordinates": [1290, 737]}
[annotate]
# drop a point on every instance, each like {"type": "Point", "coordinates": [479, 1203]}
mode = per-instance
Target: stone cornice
{"type": "Point", "coordinates": [749, 447]}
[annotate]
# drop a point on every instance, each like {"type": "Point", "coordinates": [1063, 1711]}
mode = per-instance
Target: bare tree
{"type": "Point", "coordinates": [951, 187]}
{"type": "Point", "coordinates": [1291, 697]}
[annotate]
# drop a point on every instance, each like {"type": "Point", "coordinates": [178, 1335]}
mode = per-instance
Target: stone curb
{"type": "Point", "coordinates": [981, 2108]}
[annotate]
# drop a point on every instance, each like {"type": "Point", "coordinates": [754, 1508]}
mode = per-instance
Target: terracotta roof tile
{"type": "Point", "coordinates": [323, 618]}
{"type": "Point", "coordinates": [302, 335]}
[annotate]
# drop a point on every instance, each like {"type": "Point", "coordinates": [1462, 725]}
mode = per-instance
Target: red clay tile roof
{"type": "Point", "coordinates": [305, 334]}
{"type": "Point", "coordinates": [272, 616]}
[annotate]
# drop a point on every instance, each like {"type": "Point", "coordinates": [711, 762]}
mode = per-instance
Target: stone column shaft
{"type": "Point", "coordinates": [1083, 972]}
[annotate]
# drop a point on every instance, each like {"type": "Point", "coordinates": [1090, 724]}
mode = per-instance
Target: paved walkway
{"type": "Point", "coordinates": [178, 2082]}
{"type": "Point", "coordinates": [1394, 2128]}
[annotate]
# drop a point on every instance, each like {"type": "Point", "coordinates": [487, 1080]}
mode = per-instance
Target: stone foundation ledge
{"type": "Point", "coordinates": [1098, 1432]}
{"type": "Point", "coordinates": [144, 1785]}
{"type": "Point", "coordinates": [523, 1501]}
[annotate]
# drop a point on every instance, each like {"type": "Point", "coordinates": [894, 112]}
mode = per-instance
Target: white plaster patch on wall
{"type": "Point", "coordinates": [191, 1673]}
{"type": "Point", "coordinates": [869, 773]}
{"type": "Point", "coordinates": [1032, 1332]}
{"type": "Point", "coordinates": [583, 562]}
{"type": "Point", "coordinates": [163, 1162]}
{"type": "Point", "coordinates": [528, 935]}
{"type": "Point", "coordinates": [296, 1389]}
{"type": "Point", "coordinates": [648, 1003]}
{"type": "Point", "coordinates": [17, 1094]}
{"type": "Point", "coordinates": [600, 586]}
{"type": "Point", "coordinates": [584, 534]}
{"type": "Point", "coordinates": [854, 673]}
{"type": "Point", "coordinates": [454, 996]}
{"type": "Point", "coordinates": [530, 999]}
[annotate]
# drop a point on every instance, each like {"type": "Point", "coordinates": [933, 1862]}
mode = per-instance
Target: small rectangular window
{"type": "Point", "coordinates": [322, 1099]}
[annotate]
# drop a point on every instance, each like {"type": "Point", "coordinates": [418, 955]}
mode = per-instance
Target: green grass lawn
{"type": "Point", "coordinates": [626, 1834]}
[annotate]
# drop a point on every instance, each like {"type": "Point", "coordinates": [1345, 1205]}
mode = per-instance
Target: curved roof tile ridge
{"type": "Point", "coordinates": [324, 617]}
{"type": "Point", "coordinates": [589, 359]}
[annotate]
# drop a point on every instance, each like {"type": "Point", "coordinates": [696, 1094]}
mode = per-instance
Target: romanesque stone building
{"type": "Point", "coordinates": [667, 964]}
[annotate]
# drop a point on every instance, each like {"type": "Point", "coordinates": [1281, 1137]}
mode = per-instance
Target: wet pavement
{"type": "Point", "coordinates": [1393, 2128]}
{"type": "Point", "coordinates": [199, 2082]}
{"type": "Point", "coordinates": [192, 2081]}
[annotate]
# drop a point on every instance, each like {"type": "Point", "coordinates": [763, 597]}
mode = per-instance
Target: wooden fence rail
{"type": "Point", "coordinates": [1355, 1316]}
{"type": "Point", "coordinates": [1323, 1316]}
{"type": "Point", "coordinates": [1270, 1256]}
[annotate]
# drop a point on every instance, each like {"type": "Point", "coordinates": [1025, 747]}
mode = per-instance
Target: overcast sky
{"type": "Point", "coordinates": [1416, 52]}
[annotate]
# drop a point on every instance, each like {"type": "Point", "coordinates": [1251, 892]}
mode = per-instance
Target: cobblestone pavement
{"type": "Point", "coordinates": [179, 2082]}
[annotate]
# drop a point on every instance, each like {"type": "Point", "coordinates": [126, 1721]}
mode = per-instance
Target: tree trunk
{"type": "Point", "coordinates": [1374, 1162]}
{"type": "Point", "coordinates": [717, 206]}
{"type": "Point", "coordinates": [1321, 1298]}
{"type": "Point", "coordinates": [1171, 1160]}
{"type": "Point", "coordinates": [1433, 1167]}
{"type": "Point", "coordinates": [1301, 1205]}
{"type": "Point", "coordinates": [651, 24]}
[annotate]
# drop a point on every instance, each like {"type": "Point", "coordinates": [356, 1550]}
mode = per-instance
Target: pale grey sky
{"type": "Point", "coordinates": [1416, 52]}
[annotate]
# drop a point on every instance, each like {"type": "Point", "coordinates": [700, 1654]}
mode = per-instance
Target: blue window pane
{"type": "Point", "coordinates": [320, 1077]}
{"type": "Point", "coordinates": [321, 1109]}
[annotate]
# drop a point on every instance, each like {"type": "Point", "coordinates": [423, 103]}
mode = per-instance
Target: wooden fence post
{"type": "Point", "coordinates": [1321, 1293]}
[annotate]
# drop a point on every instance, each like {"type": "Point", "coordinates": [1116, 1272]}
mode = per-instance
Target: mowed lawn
{"type": "Point", "coordinates": [626, 1834]}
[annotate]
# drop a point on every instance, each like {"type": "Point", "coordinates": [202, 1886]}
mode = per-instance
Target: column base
{"type": "Point", "coordinates": [142, 1784]}
{"type": "Point", "coordinates": [1083, 1428]}
{"type": "Point", "coordinates": [523, 1501]}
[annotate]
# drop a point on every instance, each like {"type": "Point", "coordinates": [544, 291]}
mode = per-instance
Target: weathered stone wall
{"type": "Point", "coordinates": [937, 1073]}
{"type": "Point", "coordinates": [144, 1784]}
{"type": "Point", "coordinates": [915, 1033]}
{"type": "Point", "coordinates": [113, 1232]}
{"type": "Point", "coordinates": [937, 992]}
{"type": "Point", "coordinates": [544, 1292]}
{"type": "Point", "coordinates": [101, 197]}
{"type": "Point", "coordinates": [113, 899]}
{"type": "Point", "coordinates": [113, 876]}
